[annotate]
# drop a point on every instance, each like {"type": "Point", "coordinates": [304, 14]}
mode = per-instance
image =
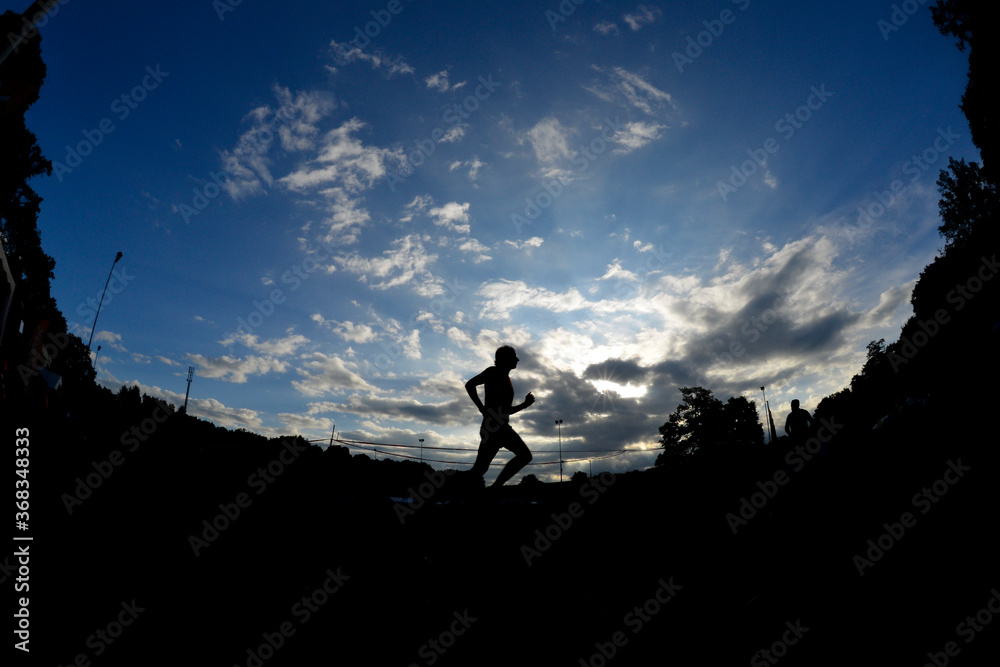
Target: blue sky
{"type": "Point", "coordinates": [637, 196]}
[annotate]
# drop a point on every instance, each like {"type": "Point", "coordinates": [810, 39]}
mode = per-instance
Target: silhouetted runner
{"type": "Point", "coordinates": [798, 423]}
{"type": "Point", "coordinates": [495, 431]}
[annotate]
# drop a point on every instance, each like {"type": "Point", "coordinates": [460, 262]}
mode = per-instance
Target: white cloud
{"type": "Point", "coordinates": [344, 161]}
{"type": "Point", "coordinates": [457, 335]}
{"type": "Point", "coordinates": [401, 264]}
{"type": "Point", "coordinates": [417, 205]}
{"type": "Point", "coordinates": [346, 218]}
{"type": "Point", "coordinates": [533, 242]}
{"type": "Point", "coordinates": [294, 121]}
{"type": "Point", "coordinates": [549, 139]}
{"type": "Point", "coordinates": [324, 374]}
{"type": "Point", "coordinates": [471, 245]}
{"type": "Point", "coordinates": [606, 28]}
{"type": "Point", "coordinates": [474, 165]}
{"type": "Point", "coordinates": [635, 135]}
{"type": "Point", "coordinates": [440, 82]}
{"type": "Point", "coordinates": [277, 347]}
{"type": "Point", "coordinates": [452, 216]}
{"type": "Point", "coordinates": [643, 15]}
{"type": "Point", "coordinates": [232, 369]}
{"type": "Point", "coordinates": [454, 133]}
{"type": "Point", "coordinates": [633, 90]}
{"type": "Point", "coordinates": [345, 53]}
{"type": "Point", "coordinates": [355, 333]}
{"type": "Point", "coordinates": [504, 296]}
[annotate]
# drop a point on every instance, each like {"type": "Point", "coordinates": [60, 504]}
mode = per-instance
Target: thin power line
{"type": "Point", "coordinates": [349, 443]}
{"type": "Point", "coordinates": [372, 447]}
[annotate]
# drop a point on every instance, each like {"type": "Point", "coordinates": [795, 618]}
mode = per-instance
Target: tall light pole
{"type": "Point", "coordinates": [106, 283]}
{"type": "Point", "coordinates": [190, 375]}
{"type": "Point", "coordinates": [768, 419]}
{"type": "Point", "coordinates": [559, 426]}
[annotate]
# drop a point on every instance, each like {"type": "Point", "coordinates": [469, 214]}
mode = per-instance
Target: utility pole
{"type": "Point", "coordinates": [421, 450]}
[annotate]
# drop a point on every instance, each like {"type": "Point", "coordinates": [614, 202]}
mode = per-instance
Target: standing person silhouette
{"type": "Point", "coordinates": [798, 423]}
{"type": "Point", "coordinates": [496, 431]}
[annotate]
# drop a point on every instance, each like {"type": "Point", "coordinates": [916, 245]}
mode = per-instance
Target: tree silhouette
{"type": "Point", "coordinates": [969, 21]}
{"type": "Point", "coordinates": [21, 76]}
{"type": "Point", "coordinates": [741, 421]}
{"type": "Point", "coordinates": [530, 480]}
{"type": "Point", "coordinates": [967, 201]}
{"type": "Point", "coordinates": [702, 420]}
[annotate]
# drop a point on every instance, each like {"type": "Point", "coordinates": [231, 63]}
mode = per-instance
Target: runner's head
{"type": "Point", "coordinates": [506, 357]}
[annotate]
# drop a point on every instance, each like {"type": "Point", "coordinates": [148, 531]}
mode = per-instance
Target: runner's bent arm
{"type": "Point", "coordinates": [472, 387]}
{"type": "Point", "coordinates": [528, 400]}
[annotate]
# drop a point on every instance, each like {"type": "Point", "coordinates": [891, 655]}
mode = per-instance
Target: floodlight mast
{"type": "Point", "coordinates": [188, 392]}
{"type": "Point", "coordinates": [559, 426]}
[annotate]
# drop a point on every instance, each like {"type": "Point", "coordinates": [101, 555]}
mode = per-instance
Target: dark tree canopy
{"type": "Point", "coordinates": [21, 76]}
{"type": "Point", "coordinates": [967, 201]}
{"type": "Point", "coordinates": [702, 421]}
{"type": "Point", "coordinates": [969, 21]}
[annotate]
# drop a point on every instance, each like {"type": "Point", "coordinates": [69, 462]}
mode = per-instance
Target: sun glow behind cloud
{"type": "Point", "coordinates": [623, 390]}
{"type": "Point", "coordinates": [317, 290]}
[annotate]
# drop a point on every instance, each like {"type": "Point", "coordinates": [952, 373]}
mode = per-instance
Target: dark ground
{"type": "Point", "coordinates": [463, 567]}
